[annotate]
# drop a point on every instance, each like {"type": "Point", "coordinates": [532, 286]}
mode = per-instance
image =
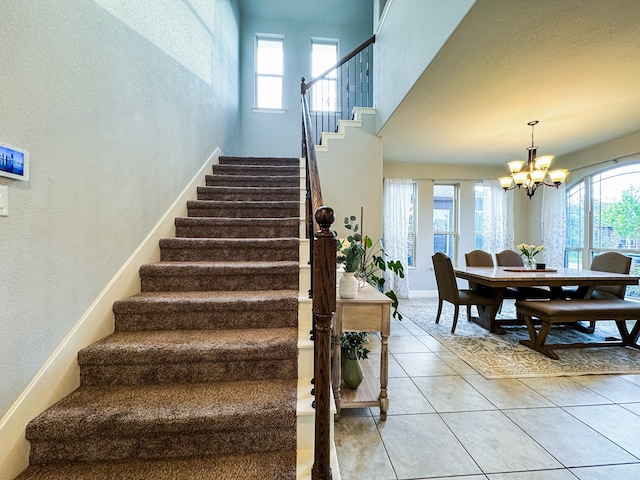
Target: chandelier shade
{"type": "Point", "coordinates": [534, 172]}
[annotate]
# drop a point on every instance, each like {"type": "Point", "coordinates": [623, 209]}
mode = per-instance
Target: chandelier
{"type": "Point", "coordinates": [534, 172]}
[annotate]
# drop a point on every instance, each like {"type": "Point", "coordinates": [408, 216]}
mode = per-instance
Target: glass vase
{"type": "Point", "coordinates": [529, 263]}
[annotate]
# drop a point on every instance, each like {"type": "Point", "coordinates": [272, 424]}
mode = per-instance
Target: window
{"type": "Point", "coordinates": [444, 221]}
{"type": "Point", "coordinates": [575, 226]}
{"type": "Point", "coordinates": [324, 55]}
{"type": "Point", "coordinates": [479, 194]}
{"type": "Point", "coordinates": [608, 204]}
{"type": "Point", "coordinates": [269, 71]}
{"type": "Point", "coordinates": [411, 237]}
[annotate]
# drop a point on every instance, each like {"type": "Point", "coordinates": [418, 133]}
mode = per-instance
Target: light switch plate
{"type": "Point", "coordinates": [4, 200]}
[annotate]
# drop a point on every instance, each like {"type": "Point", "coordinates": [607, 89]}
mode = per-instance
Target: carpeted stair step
{"type": "Point", "coordinates": [258, 170]}
{"type": "Point", "coordinates": [207, 310]}
{"type": "Point", "coordinates": [211, 227]}
{"type": "Point", "coordinates": [274, 465]}
{"type": "Point", "coordinates": [290, 181]}
{"type": "Point", "coordinates": [162, 356]}
{"type": "Point", "coordinates": [198, 276]}
{"type": "Point", "coordinates": [226, 160]}
{"type": "Point", "coordinates": [219, 249]}
{"type": "Point", "coordinates": [241, 209]}
{"type": "Point", "coordinates": [248, 194]}
{"type": "Point", "coordinates": [179, 420]}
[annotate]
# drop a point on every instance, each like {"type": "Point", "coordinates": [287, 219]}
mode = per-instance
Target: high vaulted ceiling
{"type": "Point", "coordinates": [574, 65]}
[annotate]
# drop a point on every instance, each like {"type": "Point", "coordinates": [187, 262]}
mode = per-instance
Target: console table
{"type": "Point", "coordinates": [370, 311]}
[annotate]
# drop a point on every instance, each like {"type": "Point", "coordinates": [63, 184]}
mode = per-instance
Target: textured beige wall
{"type": "Point", "coordinates": [118, 116]}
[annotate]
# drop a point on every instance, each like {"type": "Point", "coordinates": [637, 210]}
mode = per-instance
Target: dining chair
{"type": "Point", "coordinates": [448, 289]}
{"type": "Point", "coordinates": [511, 258]}
{"type": "Point", "coordinates": [477, 258]}
{"type": "Point", "coordinates": [610, 262]}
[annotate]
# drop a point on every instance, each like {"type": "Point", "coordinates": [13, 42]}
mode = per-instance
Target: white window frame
{"type": "Point", "coordinates": [259, 104]}
{"type": "Point", "coordinates": [452, 222]}
{"type": "Point", "coordinates": [328, 86]}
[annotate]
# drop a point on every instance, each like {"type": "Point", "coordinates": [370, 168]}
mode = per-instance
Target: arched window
{"type": "Point", "coordinates": [603, 215]}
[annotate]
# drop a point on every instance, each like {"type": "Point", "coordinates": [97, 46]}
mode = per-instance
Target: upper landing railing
{"type": "Point", "coordinates": [334, 94]}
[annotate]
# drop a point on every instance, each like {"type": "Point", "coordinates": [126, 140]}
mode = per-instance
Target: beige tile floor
{"type": "Point", "coordinates": [446, 421]}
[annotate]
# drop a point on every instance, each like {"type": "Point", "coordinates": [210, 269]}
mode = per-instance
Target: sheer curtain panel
{"type": "Point", "coordinates": [497, 218]}
{"type": "Point", "coordinates": [554, 225]}
{"type": "Point", "coordinates": [395, 230]}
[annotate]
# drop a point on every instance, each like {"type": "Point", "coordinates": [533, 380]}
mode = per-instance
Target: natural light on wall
{"type": "Point", "coordinates": [156, 21]}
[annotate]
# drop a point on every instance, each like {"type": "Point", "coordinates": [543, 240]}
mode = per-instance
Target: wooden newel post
{"type": "Point", "coordinates": [324, 306]}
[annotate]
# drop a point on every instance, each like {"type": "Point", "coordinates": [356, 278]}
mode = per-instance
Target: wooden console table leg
{"type": "Point", "coordinates": [384, 377]}
{"type": "Point", "coordinates": [336, 360]}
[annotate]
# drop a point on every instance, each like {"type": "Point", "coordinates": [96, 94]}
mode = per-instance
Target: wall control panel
{"type": "Point", "coordinates": [4, 201]}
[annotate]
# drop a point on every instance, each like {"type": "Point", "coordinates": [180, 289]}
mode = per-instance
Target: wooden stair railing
{"type": "Point", "coordinates": [323, 245]}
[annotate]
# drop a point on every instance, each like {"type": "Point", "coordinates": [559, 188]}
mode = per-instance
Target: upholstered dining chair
{"type": "Point", "coordinates": [610, 262]}
{"type": "Point", "coordinates": [477, 258]}
{"type": "Point", "coordinates": [509, 258]}
{"type": "Point", "coordinates": [448, 289]}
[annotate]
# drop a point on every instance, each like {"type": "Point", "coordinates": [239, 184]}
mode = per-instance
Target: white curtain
{"type": "Point", "coordinates": [554, 225]}
{"type": "Point", "coordinates": [395, 230]}
{"type": "Point", "coordinates": [497, 218]}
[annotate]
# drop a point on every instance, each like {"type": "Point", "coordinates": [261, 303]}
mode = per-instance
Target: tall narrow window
{"type": "Point", "coordinates": [479, 194]}
{"type": "Point", "coordinates": [269, 71]}
{"type": "Point", "coordinates": [444, 220]}
{"type": "Point", "coordinates": [575, 225]}
{"type": "Point", "coordinates": [324, 55]}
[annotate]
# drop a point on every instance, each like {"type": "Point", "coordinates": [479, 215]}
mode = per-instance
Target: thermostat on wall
{"type": "Point", "coordinates": [14, 162]}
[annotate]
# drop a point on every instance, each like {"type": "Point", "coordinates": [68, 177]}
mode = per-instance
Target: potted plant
{"type": "Point", "coordinates": [353, 349]}
{"type": "Point", "coordinates": [350, 254]}
{"type": "Point", "coordinates": [368, 261]}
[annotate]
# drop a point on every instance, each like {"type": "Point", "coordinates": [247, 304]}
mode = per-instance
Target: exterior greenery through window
{"type": "Point", "coordinates": [608, 204]}
{"type": "Point", "coordinates": [269, 71]}
{"type": "Point", "coordinates": [444, 219]}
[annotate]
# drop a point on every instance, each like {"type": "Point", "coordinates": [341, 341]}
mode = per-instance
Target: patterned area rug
{"type": "Point", "coordinates": [501, 356]}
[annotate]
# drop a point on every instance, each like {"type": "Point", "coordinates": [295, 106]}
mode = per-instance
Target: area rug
{"type": "Point", "coordinates": [502, 356]}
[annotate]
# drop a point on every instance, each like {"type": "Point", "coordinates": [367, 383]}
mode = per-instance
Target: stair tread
{"type": "Point", "coordinates": [284, 242]}
{"type": "Point", "coordinates": [176, 300]}
{"type": "Point", "coordinates": [245, 203]}
{"type": "Point", "coordinates": [222, 265]}
{"type": "Point", "coordinates": [238, 220]}
{"type": "Point", "coordinates": [130, 410]}
{"type": "Point", "coordinates": [138, 347]}
{"type": "Point", "coordinates": [273, 465]}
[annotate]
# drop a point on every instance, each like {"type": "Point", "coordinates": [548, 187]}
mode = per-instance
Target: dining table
{"type": "Point", "coordinates": [497, 279]}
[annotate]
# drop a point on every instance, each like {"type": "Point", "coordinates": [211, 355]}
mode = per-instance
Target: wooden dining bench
{"type": "Point", "coordinates": [550, 312]}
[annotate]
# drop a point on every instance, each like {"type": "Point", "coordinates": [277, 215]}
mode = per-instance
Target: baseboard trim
{"type": "Point", "coordinates": [60, 374]}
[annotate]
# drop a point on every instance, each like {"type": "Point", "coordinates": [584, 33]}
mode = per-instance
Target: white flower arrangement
{"type": "Point", "coordinates": [529, 251]}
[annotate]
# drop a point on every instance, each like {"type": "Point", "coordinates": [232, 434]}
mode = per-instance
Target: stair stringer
{"type": "Point", "coordinates": [350, 164]}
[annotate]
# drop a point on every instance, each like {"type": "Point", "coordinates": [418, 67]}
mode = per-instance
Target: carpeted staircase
{"type": "Point", "coordinates": [199, 379]}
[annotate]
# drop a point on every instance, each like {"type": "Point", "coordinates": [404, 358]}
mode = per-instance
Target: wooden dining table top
{"type": "Point", "coordinates": [497, 277]}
